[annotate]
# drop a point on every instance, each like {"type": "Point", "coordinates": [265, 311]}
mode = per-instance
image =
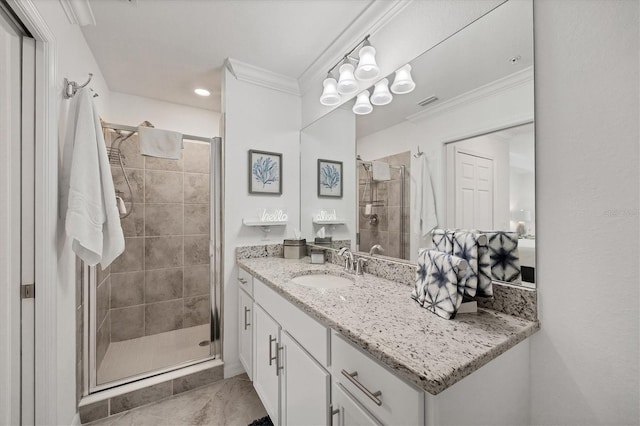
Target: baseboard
{"type": "Point", "coordinates": [233, 369]}
{"type": "Point", "coordinates": [76, 420]}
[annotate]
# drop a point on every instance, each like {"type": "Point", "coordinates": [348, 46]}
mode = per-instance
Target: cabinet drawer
{"type": "Point", "coordinates": [381, 392]}
{"type": "Point", "coordinates": [245, 281]}
{"type": "Point", "coordinates": [313, 336]}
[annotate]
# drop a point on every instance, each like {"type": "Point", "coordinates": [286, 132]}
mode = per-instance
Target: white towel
{"type": "Point", "coordinates": [380, 171]}
{"type": "Point", "coordinates": [160, 143]}
{"type": "Point", "coordinates": [92, 222]}
{"type": "Point", "coordinates": [424, 207]}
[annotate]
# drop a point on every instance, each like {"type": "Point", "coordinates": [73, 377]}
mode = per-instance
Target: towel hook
{"type": "Point", "coordinates": [419, 153]}
{"type": "Point", "coordinates": [71, 87]}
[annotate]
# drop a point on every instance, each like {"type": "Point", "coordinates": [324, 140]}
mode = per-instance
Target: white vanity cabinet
{"type": "Point", "coordinates": [245, 321]}
{"type": "Point", "coordinates": [291, 381]}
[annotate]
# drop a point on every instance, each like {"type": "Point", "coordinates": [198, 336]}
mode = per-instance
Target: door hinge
{"type": "Point", "coordinates": [27, 291]}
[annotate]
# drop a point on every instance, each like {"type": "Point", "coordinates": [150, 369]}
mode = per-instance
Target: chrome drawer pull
{"type": "Point", "coordinates": [246, 311]}
{"type": "Point", "coordinates": [375, 396]}
{"type": "Point", "coordinates": [278, 368]}
{"type": "Point", "coordinates": [271, 357]}
{"type": "Point", "coordinates": [243, 281]}
{"type": "Point", "coordinates": [332, 413]}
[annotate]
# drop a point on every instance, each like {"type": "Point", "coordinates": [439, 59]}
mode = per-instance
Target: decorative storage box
{"type": "Point", "coordinates": [295, 249]}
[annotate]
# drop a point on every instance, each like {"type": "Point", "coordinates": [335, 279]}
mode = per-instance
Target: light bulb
{"type": "Point", "coordinates": [362, 105]}
{"type": "Point", "coordinates": [347, 84]}
{"type": "Point", "coordinates": [381, 94]}
{"type": "Point", "coordinates": [330, 95]}
{"type": "Point", "coordinates": [202, 92]}
{"type": "Point", "coordinates": [403, 83]}
{"type": "Point", "coordinates": [367, 67]}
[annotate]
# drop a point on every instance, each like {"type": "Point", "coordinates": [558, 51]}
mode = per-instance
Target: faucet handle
{"type": "Point", "coordinates": [360, 265]}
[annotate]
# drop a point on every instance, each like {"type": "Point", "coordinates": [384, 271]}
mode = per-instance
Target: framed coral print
{"type": "Point", "coordinates": [329, 178]}
{"type": "Point", "coordinates": [265, 172]}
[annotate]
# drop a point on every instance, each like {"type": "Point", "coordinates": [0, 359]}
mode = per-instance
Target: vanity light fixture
{"type": "Point", "coordinates": [202, 92]}
{"type": "Point", "coordinates": [367, 67]}
{"type": "Point", "coordinates": [362, 105]}
{"type": "Point", "coordinates": [403, 83]}
{"type": "Point", "coordinates": [381, 95]}
{"type": "Point", "coordinates": [330, 95]}
{"type": "Point", "coordinates": [347, 84]}
{"type": "Point", "coordinates": [349, 79]}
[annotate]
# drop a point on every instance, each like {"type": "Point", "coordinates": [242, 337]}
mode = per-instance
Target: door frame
{"type": "Point", "coordinates": [46, 211]}
{"type": "Point", "coordinates": [449, 166]}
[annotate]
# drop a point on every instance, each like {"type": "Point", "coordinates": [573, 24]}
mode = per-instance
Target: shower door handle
{"type": "Point", "coordinates": [246, 311]}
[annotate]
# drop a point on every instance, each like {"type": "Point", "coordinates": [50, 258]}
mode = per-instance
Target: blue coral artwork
{"type": "Point", "coordinates": [329, 178]}
{"type": "Point", "coordinates": [265, 172]}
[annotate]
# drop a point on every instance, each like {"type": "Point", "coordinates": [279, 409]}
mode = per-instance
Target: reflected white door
{"type": "Point", "coordinates": [473, 191]}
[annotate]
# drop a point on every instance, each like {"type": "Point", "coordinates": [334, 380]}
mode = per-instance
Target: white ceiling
{"type": "Point", "coordinates": [165, 49]}
{"type": "Point", "coordinates": [475, 56]}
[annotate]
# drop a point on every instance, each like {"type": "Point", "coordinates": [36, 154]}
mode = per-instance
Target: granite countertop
{"type": "Point", "coordinates": [379, 316]}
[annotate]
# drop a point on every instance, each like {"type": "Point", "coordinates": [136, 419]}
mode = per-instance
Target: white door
{"type": "Point", "coordinates": [245, 321]}
{"type": "Point", "coordinates": [473, 191]}
{"type": "Point", "coordinates": [347, 411]}
{"type": "Point", "coordinates": [304, 386]}
{"type": "Point", "coordinates": [265, 362]}
{"type": "Point", "coordinates": [17, 90]}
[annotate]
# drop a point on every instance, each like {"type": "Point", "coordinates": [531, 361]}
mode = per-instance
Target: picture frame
{"type": "Point", "coordinates": [330, 178]}
{"type": "Point", "coordinates": [265, 172]}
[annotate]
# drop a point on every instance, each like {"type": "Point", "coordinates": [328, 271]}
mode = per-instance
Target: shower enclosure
{"type": "Point", "coordinates": [156, 308]}
{"type": "Point", "coordinates": [383, 207]}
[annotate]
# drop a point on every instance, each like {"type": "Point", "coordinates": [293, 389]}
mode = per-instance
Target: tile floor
{"type": "Point", "coordinates": [148, 353]}
{"type": "Point", "coordinates": [231, 401]}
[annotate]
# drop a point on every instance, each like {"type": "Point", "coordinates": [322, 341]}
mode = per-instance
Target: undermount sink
{"type": "Point", "coordinates": [322, 281]}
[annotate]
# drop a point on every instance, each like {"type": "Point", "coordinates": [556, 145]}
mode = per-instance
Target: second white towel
{"type": "Point", "coordinates": [160, 143]}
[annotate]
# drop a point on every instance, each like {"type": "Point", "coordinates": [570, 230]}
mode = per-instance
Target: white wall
{"type": "Point", "coordinates": [332, 138]}
{"type": "Point", "coordinates": [260, 118]}
{"type": "Point", "coordinates": [512, 104]}
{"type": "Point", "coordinates": [132, 110]}
{"type": "Point", "coordinates": [74, 61]}
{"type": "Point", "coordinates": [585, 357]}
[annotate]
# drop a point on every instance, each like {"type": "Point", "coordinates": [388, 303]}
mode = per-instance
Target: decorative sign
{"type": "Point", "coordinates": [275, 215]}
{"type": "Point", "coordinates": [327, 215]}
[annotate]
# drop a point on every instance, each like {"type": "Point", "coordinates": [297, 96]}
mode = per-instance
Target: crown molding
{"type": "Point", "coordinates": [262, 77]}
{"type": "Point", "coordinates": [501, 85]}
{"type": "Point", "coordinates": [370, 21]}
{"type": "Point", "coordinates": [78, 12]}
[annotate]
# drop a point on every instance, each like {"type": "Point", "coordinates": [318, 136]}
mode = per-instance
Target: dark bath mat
{"type": "Point", "coordinates": [265, 421]}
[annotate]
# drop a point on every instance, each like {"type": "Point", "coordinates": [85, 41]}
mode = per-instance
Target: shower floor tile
{"type": "Point", "coordinates": [231, 401]}
{"type": "Point", "coordinates": [149, 353]}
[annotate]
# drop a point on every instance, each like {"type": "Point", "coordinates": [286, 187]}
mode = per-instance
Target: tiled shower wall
{"type": "Point", "coordinates": [387, 231]}
{"type": "Point", "coordinates": [161, 281]}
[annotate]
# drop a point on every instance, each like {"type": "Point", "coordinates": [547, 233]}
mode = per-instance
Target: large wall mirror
{"type": "Point", "coordinates": [458, 151]}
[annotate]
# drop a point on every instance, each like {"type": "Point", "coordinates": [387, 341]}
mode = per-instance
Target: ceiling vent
{"type": "Point", "coordinates": [427, 101]}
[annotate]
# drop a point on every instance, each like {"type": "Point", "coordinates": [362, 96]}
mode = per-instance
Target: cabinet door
{"type": "Point", "coordinates": [245, 327]}
{"type": "Point", "coordinates": [347, 411]}
{"type": "Point", "coordinates": [265, 373]}
{"type": "Point", "coordinates": [304, 386]}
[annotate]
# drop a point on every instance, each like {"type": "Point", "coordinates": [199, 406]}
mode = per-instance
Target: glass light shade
{"type": "Point", "coordinates": [330, 95]}
{"type": "Point", "coordinates": [362, 105]}
{"type": "Point", "coordinates": [403, 83]}
{"type": "Point", "coordinates": [347, 84]}
{"type": "Point", "coordinates": [367, 67]}
{"type": "Point", "coordinates": [381, 94]}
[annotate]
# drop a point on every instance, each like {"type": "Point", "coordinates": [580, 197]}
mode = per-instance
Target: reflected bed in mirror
{"type": "Point", "coordinates": [462, 143]}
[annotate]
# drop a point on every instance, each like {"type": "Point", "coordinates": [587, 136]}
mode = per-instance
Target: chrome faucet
{"type": "Point", "coordinates": [348, 259]}
{"type": "Point", "coordinates": [360, 262]}
{"type": "Point", "coordinates": [377, 247]}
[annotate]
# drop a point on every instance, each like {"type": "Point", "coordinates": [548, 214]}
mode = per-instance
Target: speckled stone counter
{"type": "Point", "coordinates": [379, 316]}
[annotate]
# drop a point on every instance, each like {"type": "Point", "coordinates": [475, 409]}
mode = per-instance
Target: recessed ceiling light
{"type": "Point", "coordinates": [202, 92]}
